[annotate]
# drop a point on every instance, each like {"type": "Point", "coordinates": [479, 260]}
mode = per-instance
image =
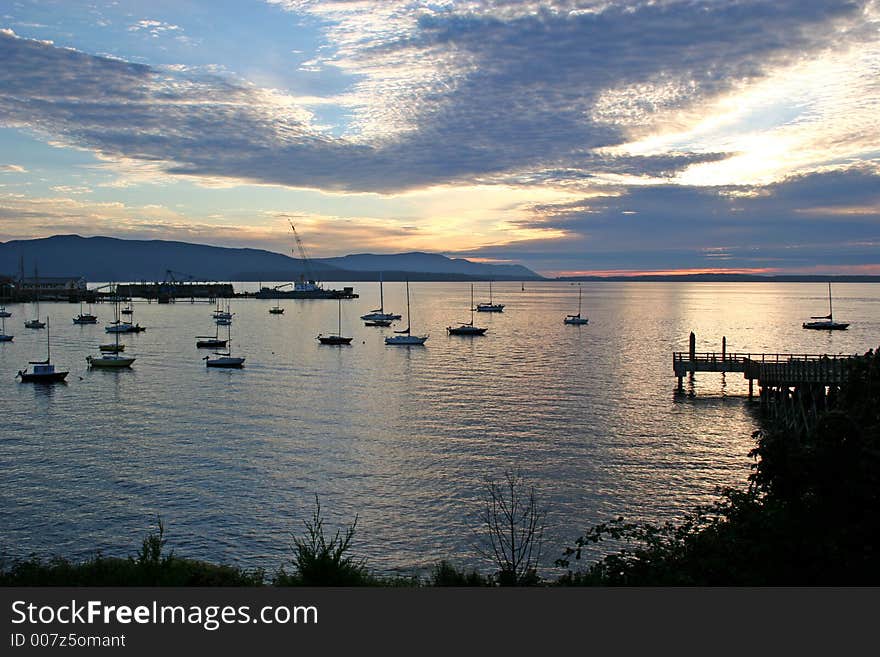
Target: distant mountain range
{"type": "Point", "coordinates": [113, 259]}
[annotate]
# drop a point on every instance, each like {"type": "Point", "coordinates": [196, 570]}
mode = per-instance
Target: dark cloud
{"type": "Point", "coordinates": [512, 99]}
{"type": "Point", "coordinates": [822, 219]}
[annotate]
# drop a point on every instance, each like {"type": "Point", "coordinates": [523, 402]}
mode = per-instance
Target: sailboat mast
{"type": "Point", "coordinates": [381, 295]}
{"type": "Point", "coordinates": [408, 320]}
{"type": "Point", "coordinates": [580, 291]}
{"type": "Point", "coordinates": [472, 304]}
{"type": "Point", "coordinates": [339, 318]}
{"type": "Point", "coordinates": [48, 344]}
{"type": "Point", "coordinates": [830, 311]}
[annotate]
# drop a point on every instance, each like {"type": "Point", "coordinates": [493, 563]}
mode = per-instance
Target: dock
{"type": "Point", "coordinates": [773, 372]}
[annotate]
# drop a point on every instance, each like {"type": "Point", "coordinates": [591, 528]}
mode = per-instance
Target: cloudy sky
{"type": "Point", "coordinates": [568, 136]}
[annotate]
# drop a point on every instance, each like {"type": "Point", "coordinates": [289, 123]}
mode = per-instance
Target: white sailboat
{"type": "Point", "coordinates": [405, 337]}
{"type": "Point", "coordinates": [3, 336]}
{"type": "Point", "coordinates": [379, 317]}
{"type": "Point", "coordinates": [225, 358]}
{"type": "Point", "coordinates": [490, 307]}
{"type": "Point", "coordinates": [467, 328]}
{"type": "Point", "coordinates": [36, 323]}
{"type": "Point", "coordinates": [826, 322]}
{"type": "Point", "coordinates": [337, 339]}
{"type": "Point", "coordinates": [576, 319]}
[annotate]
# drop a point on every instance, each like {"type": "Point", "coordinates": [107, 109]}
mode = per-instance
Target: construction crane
{"type": "Point", "coordinates": [302, 252]}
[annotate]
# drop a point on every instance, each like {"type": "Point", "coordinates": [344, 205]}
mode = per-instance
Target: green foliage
{"type": "Point", "coordinates": [445, 574]}
{"type": "Point", "coordinates": [319, 562]}
{"type": "Point", "coordinates": [150, 568]}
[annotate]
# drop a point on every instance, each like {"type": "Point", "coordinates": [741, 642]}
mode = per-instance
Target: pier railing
{"type": "Point", "coordinates": [767, 368]}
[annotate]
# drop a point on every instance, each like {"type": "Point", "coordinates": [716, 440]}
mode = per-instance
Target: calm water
{"type": "Point", "coordinates": [403, 437]}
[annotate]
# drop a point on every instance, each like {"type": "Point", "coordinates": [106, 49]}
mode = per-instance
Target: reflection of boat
{"type": "Point", "coordinates": [379, 313]}
{"type": "Point", "coordinates": [576, 319]}
{"type": "Point", "coordinates": [378, 322]}
{"type": "Point", "coordinates": [43, 371]}
{"type": "Point", "coordinates": [468, 328]}
{"type": "Point", "coordinates": [826, 322]}
{"type": "Point", "coordinates": [111, 348]}
{"type": "Point", "coordinates": [338, 338]}
{"type": "Point", "coordinates": [225, 358]}
{"type": "Point", "coordinates": [404, 337]}
{"type": "Point", "coordinates": [490, 307]}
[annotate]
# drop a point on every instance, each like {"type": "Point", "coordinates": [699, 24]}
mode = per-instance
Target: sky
{"type": "Point", "coordinates": [569, 136]}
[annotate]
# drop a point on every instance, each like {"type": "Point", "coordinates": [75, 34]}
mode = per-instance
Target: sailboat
{"type": "Point", "coordinates": [225, 358]}
{"type": "Point", "coordinates": [117, 325]}
{"type": "Point", "coordinates": [405, 337]}
{"type": "Point", "coordinates": [338, 338]}
{"type": "Point", "coordinates": [36, 323]}
{"type": "Point", "coordinates": [576, 319]}
{"type": "Point", "coordinates": [3, 336]}
{"type": "Point", "coordinates": [110, 357]}
{"type": "Point", "coordinates": [379, 317]}
{"type": "Point", "coordinates": [469, 328]}
{"type": "Point", "coordinates": [43, 371]}
{"type": "Point", "coordinates": [276, 310]}
{"type": "Point", "coordinates": [210, 342]}
{"type": "Point", "coordinates": [223, 318]}
{"type": "Point", "coordinates": [490, 307]}
{"type": "Point", "coordinates": [85, 318]}
{"type": "Point", "coordinates": [826, 322]}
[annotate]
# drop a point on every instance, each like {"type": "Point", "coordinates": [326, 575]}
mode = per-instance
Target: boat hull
{"type": "Point", "coordinates": [487, 308]}
{"type": "Point", "coordinates": [826, 326]}
{"type": "Point", "coordinates": [466, 330]}
{"type": "Point", "coordinates": [109, 362]}
{"type": "Point", "coordinates": [53, 377]}
{"type": "Point", "coordinates": [111, 348]}
{"type": "Point", "coordinates": [33, 324]}
{"type": "Point", "coordinates": [225, 362]}
{"type": "Point", "coordinates": [210, 344]}
{"type": "Point", "coordinates": [334, 339]}
{"type": "Point", "coordinates": [378, 322]}
{"type": "Point", "coordinates": [5, 338]}
{"type": "Point", "coordinates": [405, 340]}
{"type": "Point", "coordinates": [577, 321]}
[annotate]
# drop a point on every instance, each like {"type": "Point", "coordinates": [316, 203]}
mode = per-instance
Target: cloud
{"type": "Point", "coordinates": [12, 168]}
{"type": "Point", "coordinates": [492, 92]}
{"type": "Point", "coordinates": [827, 220]}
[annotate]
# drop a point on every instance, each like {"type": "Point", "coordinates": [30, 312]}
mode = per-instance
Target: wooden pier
{"type": "Point", "coordinates": [771, 371]}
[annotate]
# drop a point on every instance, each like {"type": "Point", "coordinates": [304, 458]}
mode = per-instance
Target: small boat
{"type": "Point", "coordinates": [219, 313]}
{"type": "Point", "coordinates": [210, 341]}
{"type": "Point", "coordinates": [225, 358]}
{"type": "Point", "coordinates": [467, 328]}
{"type": "Point", "coordinates": [405, 337]}
{"type": "Point", "coordinates": [576, 319]}
{"type": "Point", "coordinates": [43, 371]}
{"type": "Point", "coordinates": [4, 312]}
{"type": "Point", "coordinates": [3, 336]}
{"type": "Point", "coordinates": [36, 323]}
{"type": "Point", "coordinates": [490, 307]}
{"type": "Point", "coordinates": [337, 339]}
{"type": "Point", "coordinates": [379, 314]}
{"type": "Point", "coordinates": [128, 310]}
{"type": "Point", "coordinates": [109, 360]}
{"type": "Point", "coordinates": [826, 322]}
{"type": "Point", "coordinates": [118, 326]}
{"type": "Point", "coordinates": [85, 318]}
{"type": "Point", "coordinates": [276, 310]}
